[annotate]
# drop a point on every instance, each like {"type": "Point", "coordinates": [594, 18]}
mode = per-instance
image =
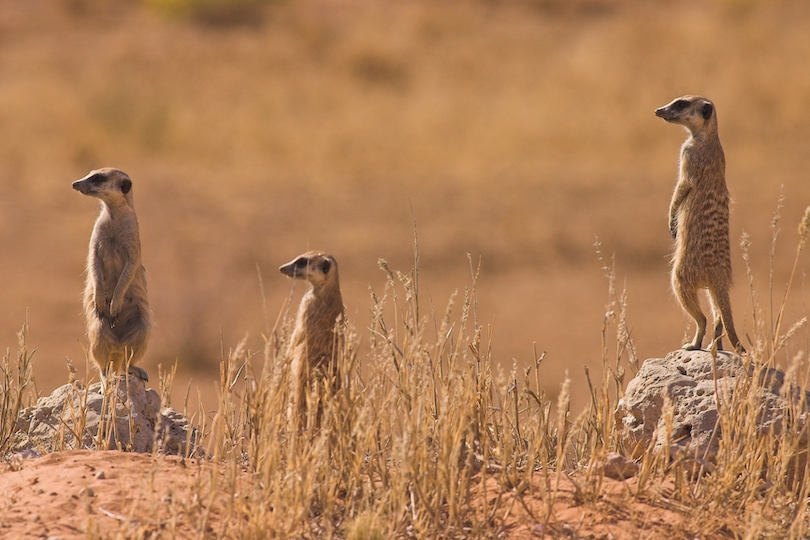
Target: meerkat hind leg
{"type": "Point", "coordinates": [718, 331]}
{"type": "Point", "coordinates": [722, 308]}
{"type": "Point", "coordinates": [691, 304]}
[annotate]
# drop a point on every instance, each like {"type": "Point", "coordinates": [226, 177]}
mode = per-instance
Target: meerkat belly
{"type": "Point", "coordinates": [703, 249]}
{"type": "Point", "coordinates": [113, 252]}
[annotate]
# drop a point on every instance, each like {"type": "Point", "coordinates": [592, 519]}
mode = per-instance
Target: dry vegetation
{"type": "Point", "coordinates": [514, 131]}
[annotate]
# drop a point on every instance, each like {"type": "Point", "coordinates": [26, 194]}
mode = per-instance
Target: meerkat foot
{"type": "Point", "coordinates": [691, 347]}
{"type": "Point", "coordinates": [139, 372]}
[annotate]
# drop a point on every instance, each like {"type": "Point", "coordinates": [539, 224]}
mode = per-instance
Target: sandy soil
{"type": "Point", "coordinates": [80, 494]}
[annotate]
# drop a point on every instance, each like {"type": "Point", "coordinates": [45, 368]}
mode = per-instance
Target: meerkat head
{"type": "Point", "coordinates": [109, 185]}
{"type": "Point", "coordinates": [695, 113]}
{"type": "Point", "coordinates": [316, 267]}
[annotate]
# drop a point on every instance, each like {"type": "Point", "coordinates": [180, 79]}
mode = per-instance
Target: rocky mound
{"type": "Point", "coordinates": [128, 416]}
{"type": "Point", "coordinates": [686, 379]}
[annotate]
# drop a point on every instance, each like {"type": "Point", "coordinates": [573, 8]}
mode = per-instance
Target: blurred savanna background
{"type": "Point", "coordinates": [515, 131]}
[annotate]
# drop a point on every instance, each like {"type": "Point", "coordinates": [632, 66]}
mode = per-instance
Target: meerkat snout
{"type": "Point", "coordinates": [315, 267]}
{"type": "Point", "coordinates": [104, 184]}
{"type": "Point", "coordinates": [692, 112]}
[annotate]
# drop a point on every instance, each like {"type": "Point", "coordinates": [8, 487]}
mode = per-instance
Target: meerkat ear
{"type": "Point", "coordinates": [707, 111]}
{"type": "Point", "coordinates": [326, 266]}
{"type": "Point", "coordinates": [126, 185]}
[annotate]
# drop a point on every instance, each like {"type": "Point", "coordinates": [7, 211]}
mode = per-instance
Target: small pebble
{"type": "Point", "coordinates": [100, 475]}
{"type": "Point", "coordinates": [618, 467]}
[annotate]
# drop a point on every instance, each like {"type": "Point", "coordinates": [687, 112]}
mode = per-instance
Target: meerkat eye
{"type": "Point", "coordinates": [326, 266]}
{"type": "Point", "coordinates": [680, 105]}
{"type": "Point", "coordinates": [96, 179]}
{"type": "Point", "coordinates": [301, 263]}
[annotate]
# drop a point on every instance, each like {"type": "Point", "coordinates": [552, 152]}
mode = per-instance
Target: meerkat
{"type": "Point", "coordinates": [313, 344]}
{"type": "Point", "coordinates": [699, 220]}
{"type": "Point", "coordinates": [115, 302]}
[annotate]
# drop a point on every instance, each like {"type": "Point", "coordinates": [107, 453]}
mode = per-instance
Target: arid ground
{"type": "Point", "coordinates": [80, 494]}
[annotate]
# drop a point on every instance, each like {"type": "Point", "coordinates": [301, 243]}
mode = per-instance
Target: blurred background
{"type": "Point", "coordinates": [515, 131]}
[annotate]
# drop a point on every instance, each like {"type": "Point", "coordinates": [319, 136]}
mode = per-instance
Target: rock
{"type": "Point", "coordinates": [619, 467]}
{"type": "Point", "coordinates": [71, 416]}
{"type": "Point", "coordinates": [685, 379]}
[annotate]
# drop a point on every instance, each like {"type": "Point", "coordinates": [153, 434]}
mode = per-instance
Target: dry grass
{"type": "Point", "coordinates": [17, 388]}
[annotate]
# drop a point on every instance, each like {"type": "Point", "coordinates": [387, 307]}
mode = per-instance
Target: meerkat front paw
{"type": "Point", "coordinates": [114, 308]}
{"type": "Point", "coordinates": [101, 305]}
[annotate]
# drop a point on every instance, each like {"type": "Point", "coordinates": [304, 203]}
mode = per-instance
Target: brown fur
{"type": "Point", "coordinates": [115, 301]}
{"type": "Point", "coordinates": [699, 219]}
{"type": "Point", "coordinates": [314, 341]}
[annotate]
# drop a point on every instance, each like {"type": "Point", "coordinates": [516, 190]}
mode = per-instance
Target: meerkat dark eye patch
{"type": "Point", "coordinates": [680, 105]}
{"type": "Point", "coordinates": [707, 111]}
{"type": "Point", "coordinates": [301, 263]}
{"type": "Point", "coordinates": [96, 179]}
{"type": "Point", "coordinates": [326, 266]}
{"type": "Point", "coordinates": [126, 185]}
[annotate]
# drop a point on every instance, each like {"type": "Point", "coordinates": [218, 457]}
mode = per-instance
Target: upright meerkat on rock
{"type": "Point", "coordinates": [313, 344]}
{"type": "Point", "coordinates": [698, 219]}
{"type": "Point", "coordinates": [115, 301]}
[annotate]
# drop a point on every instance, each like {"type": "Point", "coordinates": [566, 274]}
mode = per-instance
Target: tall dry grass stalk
{"type": "Point", "coordinates": [17, 387]}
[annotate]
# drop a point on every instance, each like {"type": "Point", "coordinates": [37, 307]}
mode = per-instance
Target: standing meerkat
{"type": "Point", "coordinates": [698, 219]}
{"type": "Point", "coordinates": [313, 345]}
{"type": "Point", "coordinates": [115, 302]}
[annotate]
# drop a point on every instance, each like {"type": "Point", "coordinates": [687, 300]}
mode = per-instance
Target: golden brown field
{"type": "Point", "coordinates": [514, 131]}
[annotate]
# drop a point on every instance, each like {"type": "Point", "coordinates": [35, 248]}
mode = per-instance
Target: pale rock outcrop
{"type": "Point", "coordinates": [686, 380]}
{"type": "Point", "coordinates": [71, 416]}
